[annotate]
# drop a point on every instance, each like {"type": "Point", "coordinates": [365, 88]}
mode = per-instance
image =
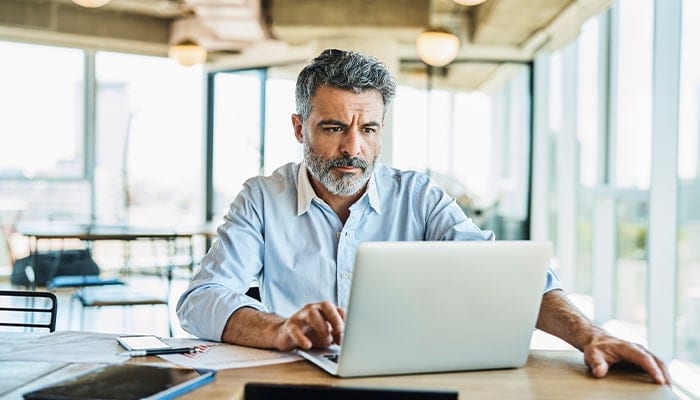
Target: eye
{"type": "Point", "coordinates": [333, 129]}
{"type": "Point", "coordinates": [368, 130]}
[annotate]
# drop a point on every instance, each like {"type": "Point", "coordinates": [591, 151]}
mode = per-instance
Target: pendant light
{"type": "Point", "coordinates": [437, 47]}
{"type": "Point", "coordinates": [91, 3]}
{"type": "Point", "coordinates": [469, 2]}
{"type": "Point", "coordinates": [188, 53]}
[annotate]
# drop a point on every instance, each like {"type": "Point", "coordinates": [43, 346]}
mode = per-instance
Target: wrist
{"type": "Point", "coordinates": [592, 337]}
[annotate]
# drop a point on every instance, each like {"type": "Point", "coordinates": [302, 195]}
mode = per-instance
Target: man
{"type": "Point", "coordinates": [296, 231]}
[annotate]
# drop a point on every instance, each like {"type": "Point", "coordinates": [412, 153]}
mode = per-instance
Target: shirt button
{"type": "Point", "coordinates": [346, 275]}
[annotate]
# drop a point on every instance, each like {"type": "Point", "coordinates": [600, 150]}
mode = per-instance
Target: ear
{"type": "Point", "coordinates": [298, 128]}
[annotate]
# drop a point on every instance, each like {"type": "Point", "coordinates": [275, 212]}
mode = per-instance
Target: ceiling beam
{"type": "Point", "coordinates": [512, 22]}
{"type": "Point", "coordinates": [70, 24]}
{"type": "Point", "coordinates": [344, 13]}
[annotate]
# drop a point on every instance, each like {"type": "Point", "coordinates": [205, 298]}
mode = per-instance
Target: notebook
{"type": "Point", "coordinates": [420, 307]}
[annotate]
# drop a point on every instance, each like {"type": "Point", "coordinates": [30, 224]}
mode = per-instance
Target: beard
{"type": "Point", "coordinates": [347, 184]}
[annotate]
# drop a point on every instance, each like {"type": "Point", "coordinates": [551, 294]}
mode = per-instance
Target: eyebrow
{"type": "Point", "coordinates": [341, 123]}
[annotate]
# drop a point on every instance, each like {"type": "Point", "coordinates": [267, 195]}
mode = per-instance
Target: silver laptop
{"type": "Point", "coordinates": [418, 307]}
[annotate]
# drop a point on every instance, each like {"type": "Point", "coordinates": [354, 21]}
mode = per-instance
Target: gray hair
{"type": "Point", "coordinates": [347, 70]}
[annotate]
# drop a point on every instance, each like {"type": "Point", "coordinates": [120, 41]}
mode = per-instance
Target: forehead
{"type": "Point", "coordinates": [332, 100]}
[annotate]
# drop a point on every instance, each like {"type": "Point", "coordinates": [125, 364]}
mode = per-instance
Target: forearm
{"type": "Point", "coordinates": [250, 327]}
{"type": "Point", "coordinates": [560, 317]}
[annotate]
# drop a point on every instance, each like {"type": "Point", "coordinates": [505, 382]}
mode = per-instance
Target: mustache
{"type": "Point", "coordinates": [348, 162]}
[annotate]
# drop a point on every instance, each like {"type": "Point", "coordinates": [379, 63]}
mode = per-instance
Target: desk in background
{"type": "Point", "coordinates": [95, 232]}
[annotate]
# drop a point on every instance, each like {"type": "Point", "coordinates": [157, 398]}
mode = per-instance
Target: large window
{"type": "Point", "coordinates": [148, 165]}
{"type": "Point", "coordinates": [411, 139]}
{"type": "Point", "coordinates": [41, 129]}
{"type": "Point", "coordinates": [281, 146]}
{"type": "Point", "coordinates": [688, 303]}
{"type": "Point", "coordinates": [147, 154]}
{"type": "Point", "coordinates": [139, 161]}
{"type": "Point", "coordinates": [474, 143]}
{"type": "Point", "coordinates": [588, 135]}
{"type": "Point", "coordinates": [237, 134]}
{"type": "Point", "coordinates": [632, 161]}
{"type": "Point", "coordinates": [626, 82]}
{"type": "Point", "coordinates": [42, 163]}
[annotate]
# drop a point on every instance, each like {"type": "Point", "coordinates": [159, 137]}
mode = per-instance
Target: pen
{"type": "Point", "coordinates": [153, 352]}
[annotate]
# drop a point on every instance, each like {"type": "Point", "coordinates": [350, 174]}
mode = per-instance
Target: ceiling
{"type": "Point", "coordinates": [263, 32]}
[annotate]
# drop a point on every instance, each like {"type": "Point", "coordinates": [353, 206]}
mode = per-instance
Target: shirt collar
{"type": "Point", "coordinates": [306, 193]}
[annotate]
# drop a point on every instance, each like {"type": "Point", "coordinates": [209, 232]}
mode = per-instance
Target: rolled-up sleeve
{"type": "Point", "coordinates": [552, 280]}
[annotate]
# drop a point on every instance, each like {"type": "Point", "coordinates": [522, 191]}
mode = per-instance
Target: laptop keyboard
{"type": "Point", "coordinates": [332, 357]}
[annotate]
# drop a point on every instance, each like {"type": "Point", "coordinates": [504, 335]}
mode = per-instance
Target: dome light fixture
{"type": "Point", "coordinates": [188, 53]}
{"type": "Point", "coordinates": [469, 2]}
{"type": "Point", "coordinates": [437, 47]}
{"type": "Point", "coordinates": [91, 3]}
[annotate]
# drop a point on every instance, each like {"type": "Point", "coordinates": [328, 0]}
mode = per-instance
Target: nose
{"type": "Point", "coordinates": [351, 143]}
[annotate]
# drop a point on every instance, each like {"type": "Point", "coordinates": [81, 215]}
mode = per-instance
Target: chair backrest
{"type": "Point", "coordinates": [27, 309]}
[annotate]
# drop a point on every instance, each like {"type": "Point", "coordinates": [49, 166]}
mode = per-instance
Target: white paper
{"type": "Point", "coordinates": [65, 346]}
{"type": "Point", "coordinates": [217, 356]}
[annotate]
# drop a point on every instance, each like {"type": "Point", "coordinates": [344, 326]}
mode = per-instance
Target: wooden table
{"type": "Point", "coordinates": [548, 374]}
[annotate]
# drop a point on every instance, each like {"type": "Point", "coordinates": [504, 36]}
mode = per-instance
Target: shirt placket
{"type": "Point", "coordinates": [347, 245]}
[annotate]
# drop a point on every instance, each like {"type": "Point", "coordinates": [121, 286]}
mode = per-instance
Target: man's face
{"type": "Point", "coordinates": [342, 138]}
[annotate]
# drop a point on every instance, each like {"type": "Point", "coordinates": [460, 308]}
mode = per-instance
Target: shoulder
{"type": "Point", "coordinates": [403, 179]}
{"type": "Point", "coordinates": [282, 179]}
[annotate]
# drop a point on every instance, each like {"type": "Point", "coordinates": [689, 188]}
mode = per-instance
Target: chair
{"type": "Point", "coordinates": [125, 293]}
{"type": "Point", "coordinates": [19, 308]}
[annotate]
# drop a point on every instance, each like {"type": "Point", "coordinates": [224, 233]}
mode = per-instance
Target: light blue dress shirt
{"type": "Point", "coordinates": [279, 232]}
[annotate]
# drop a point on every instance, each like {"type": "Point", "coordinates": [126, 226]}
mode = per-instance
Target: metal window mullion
{"type": "Point", "coordinates": [498, 115]}
{"type": "Point", "coordinates": [209, 148]}
{"type": "Point", "coordinates": [604, 211]}
{"type": "Point", "coordinates": [604, 255]}
{"type": "Point", "coordinates": [663, 188]}
{"type": "Point", "coordinates": [541, 167]}
{"type": "Point", "coordinates": [90, 124]}
{"type": "Point", "coordinates": [567, 170]}
{"type": "Point", "coordinates": [262, 75]}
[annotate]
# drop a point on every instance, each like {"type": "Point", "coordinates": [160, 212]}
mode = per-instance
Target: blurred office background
{"type": "Point", "coordinates": [575, 121]}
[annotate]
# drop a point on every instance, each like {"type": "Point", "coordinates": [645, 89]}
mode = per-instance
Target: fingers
{"type": "Point", "coordinates": [638, 355]}
{"type": "Point", "coordinates": [315, 325]}
{"type": "Point", "coordinates": [597, 364]}
{"type": "Point", "coordinates": [664, 370]}
{"type": "Point", "coordinates": [601, 356]}
{"type": "Point", "coordinates": [340, 328]}
{"type": "Point", "coordinates": [654, 367]}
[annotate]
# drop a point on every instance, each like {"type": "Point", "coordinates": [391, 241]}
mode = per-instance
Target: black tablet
{"type": "Point", "coordinates": [282, 391]}
{"type": "Point", "coordinates": [126, 381]}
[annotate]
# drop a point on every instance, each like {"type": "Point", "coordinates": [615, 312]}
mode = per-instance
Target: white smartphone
{"type": "Point", "coordinates": [144, 345]}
